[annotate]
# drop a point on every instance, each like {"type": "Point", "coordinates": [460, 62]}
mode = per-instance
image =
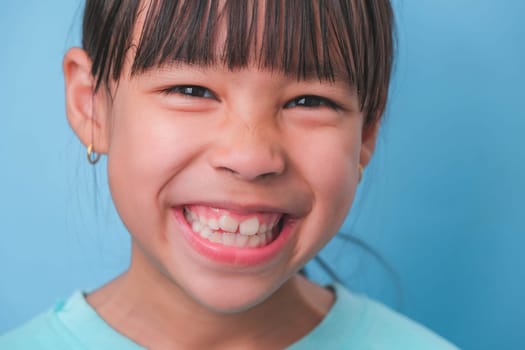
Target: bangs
{"type": "Point", "coordinates": [287, 36]}
{"type": "Point", "coordinates": [327, 40]}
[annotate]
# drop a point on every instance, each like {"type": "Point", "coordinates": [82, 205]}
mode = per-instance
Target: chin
{"type": "Point", "coordinates": [230, 295]}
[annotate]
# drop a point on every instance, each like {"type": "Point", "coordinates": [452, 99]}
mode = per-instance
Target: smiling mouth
{"type": "Point", "coordinates": [239, 230]}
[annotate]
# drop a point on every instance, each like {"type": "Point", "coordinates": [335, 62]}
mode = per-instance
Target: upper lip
{"type": "Point", "coordinates": [293, 200]}
{"type": "Point", "coordinates": [242, 207]}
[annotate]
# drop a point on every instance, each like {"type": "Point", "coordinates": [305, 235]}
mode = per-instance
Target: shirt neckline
{"type": "Point", "coordinates": [90, 329]}
{"type": "Point", "coordinates": [341, 324]}
{"type": "Point", "coordinates": [86, 325]}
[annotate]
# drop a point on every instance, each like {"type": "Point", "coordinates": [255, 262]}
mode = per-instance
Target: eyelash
{"type": "Point", "coordinates": [318, 102]}
{"type": "Point", "coordinates": [189, 91]}
{"type": "Point", "coordinates": [305, 101]}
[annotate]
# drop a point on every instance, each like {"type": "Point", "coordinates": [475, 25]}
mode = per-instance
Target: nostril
{"type": "Point", "coordinates": [253, 176]}
{"type": "Point", "coordinates": [267, 175]}
{"type": "Point", "coordinates": [227, 170]}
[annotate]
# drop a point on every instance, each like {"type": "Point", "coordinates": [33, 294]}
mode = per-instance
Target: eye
{"type": "Point", "coordinates": [190, 91]}
{"type": "Point", "coordinates": [311, 101]}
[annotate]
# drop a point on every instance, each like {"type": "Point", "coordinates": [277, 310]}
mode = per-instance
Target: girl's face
{"type": "Point", "coordinates": [228, 181]}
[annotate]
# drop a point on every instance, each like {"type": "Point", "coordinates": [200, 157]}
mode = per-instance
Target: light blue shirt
{"type": "Point", "coordinates": [353, 322]}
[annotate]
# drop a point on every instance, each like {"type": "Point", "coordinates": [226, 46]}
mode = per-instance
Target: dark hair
{"type": "Point", "coordinates": [322, 38]}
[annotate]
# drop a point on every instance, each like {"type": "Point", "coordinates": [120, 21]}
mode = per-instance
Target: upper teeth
{"type": "Point", "coordinates": [226, 223]}
{"type": "Point", "coordinates": [249, 227]}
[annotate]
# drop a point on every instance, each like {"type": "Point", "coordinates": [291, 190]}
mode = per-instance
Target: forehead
{"type": "Point", "coordinates": [302, 38]}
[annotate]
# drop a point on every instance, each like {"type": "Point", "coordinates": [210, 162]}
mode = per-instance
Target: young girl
{"type": "Point", "coordinates": [236, 133]}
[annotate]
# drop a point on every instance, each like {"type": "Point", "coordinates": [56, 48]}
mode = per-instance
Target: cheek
{"type": "Point", "coordinates": [335, 182]}
{"type": "Point", "coordinates": [329, 161]}
{"type": "Point", "coordinates": [147, 149]}
{"type": "Point", "coordinates": [330, 164]}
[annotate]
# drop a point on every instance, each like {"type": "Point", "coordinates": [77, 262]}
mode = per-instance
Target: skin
{"type": "Point", "coordinates": [246, 144]}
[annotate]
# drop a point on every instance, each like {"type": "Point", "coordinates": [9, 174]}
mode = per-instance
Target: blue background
{"type": "Point", "coordinates": [443, 200]}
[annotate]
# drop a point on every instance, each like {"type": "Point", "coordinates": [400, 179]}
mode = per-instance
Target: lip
{"type": "Point", "coordinates": [234, 255]}
{"type": "Point", "coordinates": [243, 208]}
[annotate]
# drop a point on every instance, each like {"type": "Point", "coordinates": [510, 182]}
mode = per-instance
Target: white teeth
{"type": "Point", "coordinates": [196, 226]}
{"type": "Point", "coordinates": [249, 227]}
{"type": "Point", "coordinates": [254, 241]}
{"type": "Point", "coordinates": [227, 231]}
{"type": "Point", "coordinates": [205, 232]}
{"type": "Point", "coordinates": [241, 240]}
{"type": "Point", "coordinates": [227, 223]}
{"type": "Point", "coordinates": [263, 228]}
{"type": "Point", "coordinates": [228, 238]}
{"type": "Point", "coordinates": [215, 237]}
{"type": "Point", "coordinates": [213, 224]}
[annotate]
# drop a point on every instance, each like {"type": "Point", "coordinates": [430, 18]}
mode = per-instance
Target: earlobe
{"type": "Point", "coordinates": [82, 106]}
{"type": "Point", "coordinates": [368, 143]}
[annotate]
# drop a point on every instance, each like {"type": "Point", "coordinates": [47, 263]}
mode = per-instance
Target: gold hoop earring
{"type": "Point", "coordinates": [360, 167]}
{"type": "Point", "coordinates": [92, 156]}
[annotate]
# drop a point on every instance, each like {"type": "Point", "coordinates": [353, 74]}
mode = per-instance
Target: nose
{"type": "Point", "coordinates": [249, 152]}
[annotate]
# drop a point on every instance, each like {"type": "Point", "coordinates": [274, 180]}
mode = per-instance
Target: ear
{"type": "Point", "coordinates": [368, 142]}
{"type": "Point", "coordinates": [86, 110]}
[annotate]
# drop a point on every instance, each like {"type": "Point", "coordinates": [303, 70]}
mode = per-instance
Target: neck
{"type": "Point", "coordinates": [148, 308]}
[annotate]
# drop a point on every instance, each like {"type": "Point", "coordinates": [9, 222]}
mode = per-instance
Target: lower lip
{"type": "Point", "coordinates": [234, 255]}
